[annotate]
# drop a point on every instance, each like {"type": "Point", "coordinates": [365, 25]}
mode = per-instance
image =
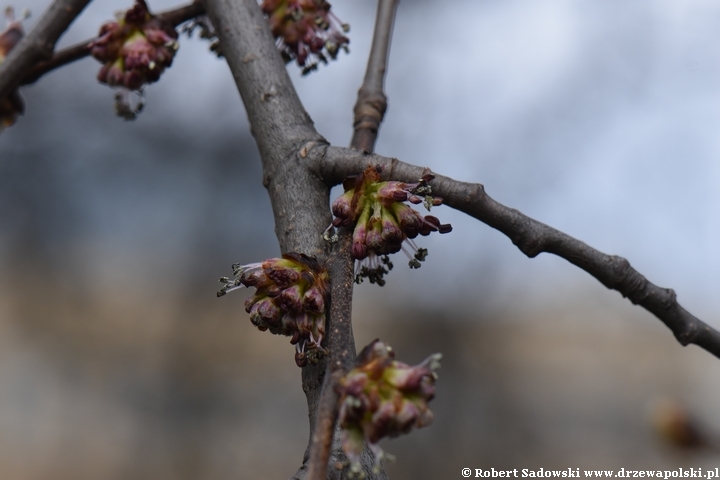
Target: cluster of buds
{"type": "Point", "coordinates": [306, 31]}
{"type": "Point", "coordinates": [11, 106]}
{"type": "Point", "coordinates": [384, 224]}
{"type": "Point", "coordinates": [134, 50]}
{"type": "Point", "coordinates": [382, 397]}
{"type": "Point", "coordinates": [290, 299]}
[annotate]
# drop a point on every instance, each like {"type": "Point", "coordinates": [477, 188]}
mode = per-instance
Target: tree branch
{"type": "Point", "coordinates": [341, 345]}
{"type": "Point", "coordinates": [369, 111]}
{"type": "Point", "coordinates": [81, 50]}
{"type": "Point", "coordinates": [532, 237]}
{"type": "Point", "coordinates": [372, 102]}
{"type": "Point", "coordinates": [285, 134]}
{"type": "Point", "coordinates": [39, 44]}
{"type": "Point", "coordinates": [279, 123]}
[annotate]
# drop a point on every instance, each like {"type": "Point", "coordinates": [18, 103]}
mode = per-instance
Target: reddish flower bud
{"type": "Point", "coordinates": [265, 314]}
{"type": "Point", "coordinates": [135, 50]}
{"type": "Point", "coordinates": [382, 397]}
{"type": "Point", "coordinates": [383, 224]}
{"type": "Point", "coordinates": [306, 30]}
{"type": "Point", "coordinates": [391, 231]}
{"type": "Point", "coordinates": [313, 301]}
{"type": "Point", "coordinates": [342, 207]}
{"type": "Point", "coordinates": [290, 300]}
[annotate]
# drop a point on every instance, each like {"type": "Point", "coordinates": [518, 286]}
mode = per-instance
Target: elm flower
{"type": "Point", "coordinates": [384, 224]}
{"type": "Point", "coordinates": [382, 397]}
{"type": "Point", "coordinates": [306, 31]}
{"type": "Point", "coordinates": [134, 50]}
{"type": "Point", "coordinates": [291, 294]}
{"type": "Point", "coordinates": [11, 106]}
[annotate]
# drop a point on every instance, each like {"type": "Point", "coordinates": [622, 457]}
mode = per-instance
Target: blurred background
{"type": "Point", "coordinates": [600, 118]}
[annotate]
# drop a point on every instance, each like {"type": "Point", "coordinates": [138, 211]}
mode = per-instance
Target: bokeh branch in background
{"type": "Point", "coordinates": [532, 238]}
{"type": "Point", "coordinates": [39, 44]}
{"type": "Point", "coordinates": [369, 112]}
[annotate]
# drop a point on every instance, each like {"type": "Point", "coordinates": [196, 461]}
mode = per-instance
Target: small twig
{"type": "Point", "coordinates": [372, 102]}
{"type": "Point", "coordinates": [39, 44]}
{"type": "Point", "coordinates": [341, 345]}
{"type": "Point", "coordinates": [81, 50]}
{"type": "Point", "coordinates": [532, 237]}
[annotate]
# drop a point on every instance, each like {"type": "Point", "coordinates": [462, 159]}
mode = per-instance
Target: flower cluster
{"type": "Point", "coordinates": [384, 224]}
{"type": "Point", "coordinates": [290, 298]}
{"type": "Point", "coordinates": [382, 397]}
{"type": "Point", "coordinates": [306, 31]}
{"type": "Point", "coordinates": [134, 51]}
{"type": "Point", "coordinates": [11, 106]}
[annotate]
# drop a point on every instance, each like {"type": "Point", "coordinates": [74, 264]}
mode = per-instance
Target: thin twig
{"type": "Point", "coordinates": [39, 44]}
{"type": "Point", "coordinates": [341, 345]}
{"type": "Point", "coordinates": [372, 102]}
{"type": "Point", "coordinates": [81, 50]}
{"type": "Point", "coordinates": [532, 237]}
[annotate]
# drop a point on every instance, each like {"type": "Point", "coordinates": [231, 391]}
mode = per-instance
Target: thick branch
{"type": "Point", "coordinates": [81, 50]}
{"type": "Point", "coordinates": [279, 123]}
{"type": "Point", "coordinates": [533, 237]}
{"type": "Point", "coordinates": [372, 102]}
{"type": "Point", "coordinates": [285, 134]}
{"type": "Point", "coordinates": [39, 44]}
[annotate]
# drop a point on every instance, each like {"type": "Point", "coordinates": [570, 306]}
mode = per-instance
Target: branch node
{"type": "Point", "coordinates": [670, 299]}
{"type": "Point", "coordinates": [305, 149]}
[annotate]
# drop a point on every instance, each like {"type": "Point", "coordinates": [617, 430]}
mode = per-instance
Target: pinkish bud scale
{"type": "Point", "coordinates": [383, 223]}
{"type": "Point", "coordinates": [290, 298]}
{"type": "Point", "coordinates": [382, 397]}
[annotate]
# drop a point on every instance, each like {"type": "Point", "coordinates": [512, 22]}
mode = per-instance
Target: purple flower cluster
{"type": "Point", "coordinates": [384, 224]}
{"type": "Point", "coordinates": [135, 49]}
{"type": "Point", "coordinates": [306, 31]}
{"type": "Point", "coordinates": [290, 299]}
{"type": "Point", "coordinates": [382, 397]}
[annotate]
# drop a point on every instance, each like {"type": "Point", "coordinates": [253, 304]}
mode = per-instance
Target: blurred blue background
{"type": "Point", "coordinates": [599, 118]}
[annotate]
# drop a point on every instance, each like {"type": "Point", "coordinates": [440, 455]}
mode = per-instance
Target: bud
{"type": "Point", "coordinates": [135, 50]}
{"type": "Point", "coordinates": [383, 223]}
{"type": "Point", "coordinates": [290, 298]}
{"type": "Point", "coordinates": [382, 397]}
{"type": "Point", "coordinates": [306, 30]}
